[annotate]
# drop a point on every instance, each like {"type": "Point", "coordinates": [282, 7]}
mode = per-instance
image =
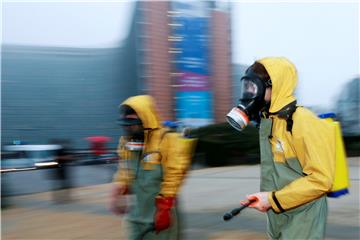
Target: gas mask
{"type": "Point", "coordinates": [133, 128]}
{"type": "Point", "coordinates": [251, 101]}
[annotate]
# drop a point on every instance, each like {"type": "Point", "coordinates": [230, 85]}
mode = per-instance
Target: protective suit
{"type": "Point", "coordinates": [297, 161]}
{"type": "Point", "coordinates": [153, 175]}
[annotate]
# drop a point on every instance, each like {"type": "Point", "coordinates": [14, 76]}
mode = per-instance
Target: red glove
{"type": "Point", "coordinates": [162, 217]}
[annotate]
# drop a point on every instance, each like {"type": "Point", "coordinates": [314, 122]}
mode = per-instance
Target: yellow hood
{"type": "Point", "coordinates": [144, 106]}
{"type": "Point", "coordinates": [283, 76]}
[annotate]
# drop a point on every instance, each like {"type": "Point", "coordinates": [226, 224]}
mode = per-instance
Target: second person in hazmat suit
{"type": "Point", "coordinates": [296, 148]}
{"type": "Point", "coordinates": [153, 164]}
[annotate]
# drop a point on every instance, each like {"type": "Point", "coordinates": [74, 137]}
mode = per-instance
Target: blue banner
{"type": "Point", "coordinates": [193, 107]}
{"type": "Point", "coordinates": [191, 62]}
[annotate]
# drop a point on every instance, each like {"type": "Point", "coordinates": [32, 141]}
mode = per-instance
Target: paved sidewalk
{"type": "Point", "coordinates": [206, 196]}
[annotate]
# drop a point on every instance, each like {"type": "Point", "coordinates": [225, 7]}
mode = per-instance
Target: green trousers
{"type": "Point", "coordinates": [304, 222]}
{"type": "Point", "coordinates": [145, 187]}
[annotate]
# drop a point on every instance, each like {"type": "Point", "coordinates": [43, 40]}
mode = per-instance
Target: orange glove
{"type": "Point", "coordinates": [118, 192]}
{"type": "Point", "coordinates": [162, 218]}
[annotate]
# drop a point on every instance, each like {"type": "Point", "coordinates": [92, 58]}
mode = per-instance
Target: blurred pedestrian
{"type": "Point", "coordinates": [153, 164]}
{"type": "Point", "coordinates": [61, 173]}
{"type": "Point", "coordinates": [297, 151]}
{"type": "Point", "coordinates": [98, 146]}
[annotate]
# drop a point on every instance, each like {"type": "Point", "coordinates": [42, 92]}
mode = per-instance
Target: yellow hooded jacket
{"type": "Point", "coordinates": [311, 140]}
{"type": "Point", "coordinates": [169, 149]}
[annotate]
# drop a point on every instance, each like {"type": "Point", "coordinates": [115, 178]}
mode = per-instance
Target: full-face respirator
{"type": "Point", "coordinates": [133, 130]}
{"type": "Point", "coordinates": [251, 101]}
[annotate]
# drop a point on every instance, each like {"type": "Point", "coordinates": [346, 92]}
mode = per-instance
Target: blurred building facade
{"type": "Point", "coordinates": [185, 59]}
{"type": "Point", "coordinates": [69, 93]}
{"type": "Point", "coordinates": [65, 93]}
{"type": "Point", "coordinates": [348, 108]}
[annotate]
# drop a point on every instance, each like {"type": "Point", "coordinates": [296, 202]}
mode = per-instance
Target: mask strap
{"type": "Point", "coordinates": [268, 83]}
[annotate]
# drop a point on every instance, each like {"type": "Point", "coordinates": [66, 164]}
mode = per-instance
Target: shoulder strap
{"type": "Point", "coordinates": [159, 143]}
{"type": "Point", "coordinates": [287, 113]}
{"type": "Point", "coordinates": [290, 121]}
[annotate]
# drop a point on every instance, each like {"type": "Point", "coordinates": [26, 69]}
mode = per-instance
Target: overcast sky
{"type": "Point", "coordinates": [69, 24]}
{"type": "Point", "coordinates": [322, 39]}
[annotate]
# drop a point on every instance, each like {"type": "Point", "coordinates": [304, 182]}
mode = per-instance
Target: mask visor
{"type": "Point", "coordinates": [249, 89]}
{"type": "Point", "coordinates": [129, 121]}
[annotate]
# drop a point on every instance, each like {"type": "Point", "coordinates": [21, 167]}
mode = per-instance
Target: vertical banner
{"type": "Point", "coordinates": [190, 47]}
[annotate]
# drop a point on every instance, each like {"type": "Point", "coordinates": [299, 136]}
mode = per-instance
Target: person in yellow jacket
{"type": "Point", "coordinates": [153, 164]}
{"type": "Point", "coordinates": [296, 148]}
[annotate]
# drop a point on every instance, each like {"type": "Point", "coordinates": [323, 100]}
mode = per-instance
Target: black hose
{"type": "Point", "coordinates": [236, 211]}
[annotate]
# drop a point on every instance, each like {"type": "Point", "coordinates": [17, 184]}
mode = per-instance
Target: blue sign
{"type": "Point", "coordinates": [194, 46]}
{"type": "Point", "coordinates": [193, 95]}
{"type": "Point", "coordinates": [194, 105]}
